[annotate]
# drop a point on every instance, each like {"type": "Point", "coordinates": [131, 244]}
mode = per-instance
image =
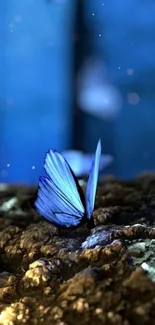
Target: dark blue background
{"type": "Point", "coordinates": [39, 60]}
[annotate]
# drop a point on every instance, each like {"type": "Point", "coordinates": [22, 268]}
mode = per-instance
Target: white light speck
{"type": "Point", "coordinates": [93, 14]}
{"type": "Point", "coordinates": [8, 165]}
{"type": "Point", "coordinates": [102, 4]}
{"type": "Point", "coordinates": [119, 68]}
{"type": "Point", "coordinates": [33, 167]}
{"type": "Point", "coordinates": [100, 35]}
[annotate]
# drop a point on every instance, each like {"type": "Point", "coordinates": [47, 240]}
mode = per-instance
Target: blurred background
{"type": "Point", "coordinates": [71, 72]}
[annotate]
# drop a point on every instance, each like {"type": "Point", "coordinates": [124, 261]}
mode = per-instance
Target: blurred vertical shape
{"type": "Point", "coordinates": [90, 78]}
{"type": "Point", "coordinates": [35, 84]}
{"type": "Point", "coordinates": [81, 47]}
{"type": "Point", "coordinates": [95, 94]}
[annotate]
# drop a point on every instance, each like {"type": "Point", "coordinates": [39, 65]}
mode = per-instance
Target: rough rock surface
{"type": "Point", "coordinates": [62, 277]}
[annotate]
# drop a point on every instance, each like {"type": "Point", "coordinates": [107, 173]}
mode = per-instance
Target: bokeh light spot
{"type": "Point", "coordinates": [133, 98]}
{"type": "Point", "coordinates": [129, 72]}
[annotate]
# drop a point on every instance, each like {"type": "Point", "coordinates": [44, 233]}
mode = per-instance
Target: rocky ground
{"type": "Point", "coordinates": [89, 277]}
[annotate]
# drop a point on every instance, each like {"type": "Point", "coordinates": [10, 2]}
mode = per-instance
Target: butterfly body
{"type": "Point", "coordinates": [60, 198]}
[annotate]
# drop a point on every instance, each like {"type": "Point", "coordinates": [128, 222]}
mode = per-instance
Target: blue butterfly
{"type": "Point", "coordinates": [60, 198]}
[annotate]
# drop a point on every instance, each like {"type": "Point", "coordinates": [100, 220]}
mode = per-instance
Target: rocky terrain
{"type": "Point", "coordinates": [105, 275]}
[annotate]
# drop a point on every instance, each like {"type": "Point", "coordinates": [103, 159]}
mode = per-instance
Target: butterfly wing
{"type": "Point", "coordinates": [92, 182]}
{"type": "Point", "coordinates": [60, 199]}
